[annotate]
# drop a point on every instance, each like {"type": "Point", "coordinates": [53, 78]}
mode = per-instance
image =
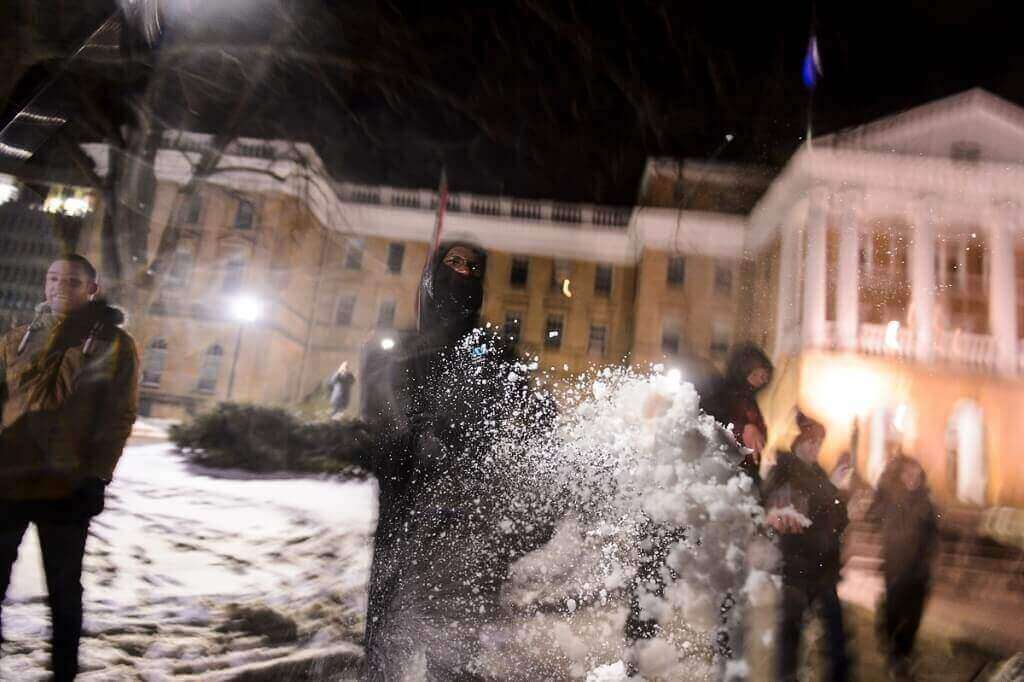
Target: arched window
{"type": "Point", "coordinates": [966, 472]}
{"type": "Point", "coordinates": [153, 363]}
{"type": "Point", "coordinates": [210, 369]}
{"type": "Point", "coordinates": [891, 428]}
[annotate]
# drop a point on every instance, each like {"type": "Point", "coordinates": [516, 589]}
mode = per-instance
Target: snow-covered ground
{"type": "Point", "coordinates": [191, 572]}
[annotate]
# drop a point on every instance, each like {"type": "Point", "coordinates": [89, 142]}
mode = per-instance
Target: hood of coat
{"type": "Point", "coordinates": [450, 302]}
{"type": "Point", "coordinates": [742, 361]}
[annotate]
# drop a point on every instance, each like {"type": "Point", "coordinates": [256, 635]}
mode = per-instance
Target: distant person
{"type": "Point", "coordinates": [904, 508]}
{"type": "Point", "coordinates": [340, 385]}
{"type": "Point", "coordinates": [733, 402]}
{"type": "Point", "coordinates": [805, 508]}
{"type": "Point", "coordinates": [68, 397]}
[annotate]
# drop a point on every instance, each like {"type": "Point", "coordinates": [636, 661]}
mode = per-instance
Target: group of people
{"type": "Point", "coordinates": [446, 535]}
{"type": "Point", "coordinates": [807, 509]}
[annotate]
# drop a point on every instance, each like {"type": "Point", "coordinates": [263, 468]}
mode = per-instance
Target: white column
{"type": "Point", "coordinates": [847, 274]}
{"type": "Point", "coordinates": [922, 278]}
{"type": "Point", "coordinates": [785, 305]}
{"type": "Point", "coordinates": [1002, 287]}
{"type": "Point", "coordinates": [815, 281]}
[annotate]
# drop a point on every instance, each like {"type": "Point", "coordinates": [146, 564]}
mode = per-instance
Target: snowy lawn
{"type": "Point", "coordinates": [193, 572]}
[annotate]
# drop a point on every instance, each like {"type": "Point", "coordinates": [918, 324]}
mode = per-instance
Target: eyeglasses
{"type": "Point", "coordinates": [456, 262]}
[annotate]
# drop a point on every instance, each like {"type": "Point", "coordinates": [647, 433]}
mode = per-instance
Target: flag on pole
{"type": "Point", "coordinates": [812, 64]}
{"type": "Point", "coordinates": [435, 239]}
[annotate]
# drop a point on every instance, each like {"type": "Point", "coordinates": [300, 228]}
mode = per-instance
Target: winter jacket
{"type": "Point", "coordinates": [733, 402]}
{"type": "Point", "coordinates": [811, 558]}
{"type": "Point", "coordinates": [449, 523]}
{"type": "Point", "coordinates": [68, 399]}
{"type": "Point", "coordinates": [910, 529]}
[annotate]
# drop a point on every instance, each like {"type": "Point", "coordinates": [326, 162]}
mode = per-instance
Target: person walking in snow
{"type": "Point", "coordinates": [903, 507]}
{"type": "Point", "coordinates": [806, 509]}
{"type": "Point", "coordinates": [340, 386]}
{"type": "Point", "coordinates": [68, 397]}
{"type": "Point", "coordinates": [447, 529]}
{"type": "Point", "coordinates": [733, 402]}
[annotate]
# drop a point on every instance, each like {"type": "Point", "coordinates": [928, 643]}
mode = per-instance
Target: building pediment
{"type": "Point", "coordinates": [972, 126]}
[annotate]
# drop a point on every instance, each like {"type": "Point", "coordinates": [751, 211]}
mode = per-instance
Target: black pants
{"type": "Point", "coordinates": [905, 596]}
{"type": "Point", "coordinates": [62, 541]}
{"type": "Point", "coordinates": [796, 602]}
{"type": "Point", "coordinates": [651, 575]}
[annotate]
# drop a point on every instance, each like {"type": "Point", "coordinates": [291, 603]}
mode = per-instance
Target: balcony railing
{"type": "Point", "coordinates": [976, 352]}
{"type": "Point", "coordinates": [613, 217]}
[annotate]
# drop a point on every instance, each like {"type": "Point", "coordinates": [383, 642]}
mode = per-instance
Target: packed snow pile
{"type": "Point", "coordinates": [655, 510]}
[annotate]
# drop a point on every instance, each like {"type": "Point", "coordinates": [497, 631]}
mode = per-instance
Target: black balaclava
{"type": "Point", "coordinates": [449, 302]}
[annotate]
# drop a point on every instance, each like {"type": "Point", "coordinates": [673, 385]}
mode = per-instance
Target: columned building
{"type": "Point", "coordinates": [899, 247]}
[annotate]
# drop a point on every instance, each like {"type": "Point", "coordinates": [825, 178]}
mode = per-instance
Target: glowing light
{"type": "Point", "coordinates": [675, 375]}
{"type": "Point", "coordinates": [387, 344]}
{"type": "Point", "coordinates": [246, 309]}
{"type": "Point", "coordinates": [8, 189]}
{"type": "Point", "coordinates": [72, 206]}
{"type": "Point", "coordinates": [892, 335]}
{"type": "Point", "coordinates": [552, 334]}
{"type": "Point", "coordinates": [565, 289]}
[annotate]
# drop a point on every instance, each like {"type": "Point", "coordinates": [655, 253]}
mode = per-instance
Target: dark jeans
{"type": "Point", "coordinates": [62, 540]}
{"type": "Point", "coordinates": [796, 602]}
{"type": "Point", "coordinates": [905, 596]}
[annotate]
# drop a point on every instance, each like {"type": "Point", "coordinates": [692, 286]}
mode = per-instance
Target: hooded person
{"type": "Point", "coordinates": [733, 402]}
{"type": "Point", "coordinates": [448, 526]}
{"type": "Point", "coordinates": [806, 509]}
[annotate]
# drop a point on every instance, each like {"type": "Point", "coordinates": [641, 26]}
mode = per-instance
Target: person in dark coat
{"type": "Point", "coordinates": [340, 387]}
{"type": "Point", "coordinates": [449, 524]}
{"type": "Point", "coordinates": [733, 402]}
{"type": "Point", "coordinates": [909, 540]}
{"type": "Point", "coordinates": [806, 509]}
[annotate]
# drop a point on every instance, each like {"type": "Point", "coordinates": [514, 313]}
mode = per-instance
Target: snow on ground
{"type": "Point", "coordinates": [193, 572]}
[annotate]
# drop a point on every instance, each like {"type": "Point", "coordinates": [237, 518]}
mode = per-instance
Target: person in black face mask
{"type": "Point", "coordinates": [447, 528]}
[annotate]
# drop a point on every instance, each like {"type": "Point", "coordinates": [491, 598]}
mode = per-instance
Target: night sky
{"type": "Point", "coordinates": [562, 100]}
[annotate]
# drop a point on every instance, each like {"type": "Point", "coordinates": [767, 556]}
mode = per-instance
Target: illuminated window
{"type": "Point", "coordinates": [553, 332]}
{"type": "Point", "coordinates": [210, 368]}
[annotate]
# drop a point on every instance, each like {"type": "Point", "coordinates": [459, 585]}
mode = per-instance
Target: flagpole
{"type": "Point", "coordinates": [435, 239]}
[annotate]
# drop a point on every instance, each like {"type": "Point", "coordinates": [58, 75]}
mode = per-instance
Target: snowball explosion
{"type": "Point", "coordinates": [628, 462]}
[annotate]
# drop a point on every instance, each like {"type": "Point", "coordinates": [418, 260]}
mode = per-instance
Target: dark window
{"type": "Point", "coordinates": [723, 279]}
{"type": "Point", "coordinates": [153, 364]}
{"type": "Point", "coordinates": [344, 310]}
{"type": "Point", "coordinates": [519, 273]}
{"type": "Point", "coordinates": [513, 324]}
{"type": "Point", "coordinates": [596, 342]}
{"type": "Point", "coordinates": [676, 274]}
{"type": "Point", "coordinates": [193, 209]}
{"type": "Point", "coordinates": [210, 369]}
{"type": "Point", "coordinates": [244, 215]}
{"type": "Point", "coordinates": [603, 281]}
{"type": "Point", "coordinates": [233, 272]}
{"type": "Point", "coordinates": [670, 343]}
{"type": "Point", "coordinates": [553, 332]}
{"type": "Point", "coordinates": [354, 255]}
{"type": "Point", "coordinates": [396, 254]}
{"type": "Point", "coordinates": [386, 315]}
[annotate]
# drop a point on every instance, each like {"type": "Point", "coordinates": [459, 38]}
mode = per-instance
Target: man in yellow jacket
{"type": "Point", "coordinates": [68, 398]}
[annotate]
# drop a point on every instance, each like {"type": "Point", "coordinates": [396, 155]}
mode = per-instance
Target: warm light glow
{"type": "Point", "coordinates": [72, 206]}
{"type": "Point", "coordinates": [246, 309]}
{"type": "Point", "coordinates": [675, 375]}
{"type": "Point", "coordinates": [8, 189]}
{"type": "Point", "coordinates": [842, 391]}
{"type": "Point", "coordinates": [565, 289]}
{"type": "Point", "coordinates": [892, 335]}
{"type": "Point", "coordinates": [387, 344]}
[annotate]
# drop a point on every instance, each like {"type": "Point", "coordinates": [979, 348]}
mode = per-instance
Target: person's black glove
{"type": "Point", "coordinates": [89, 497]}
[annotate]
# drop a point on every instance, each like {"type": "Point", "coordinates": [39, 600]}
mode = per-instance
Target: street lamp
{"type": "Point", "coordinates": [245, 310]}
